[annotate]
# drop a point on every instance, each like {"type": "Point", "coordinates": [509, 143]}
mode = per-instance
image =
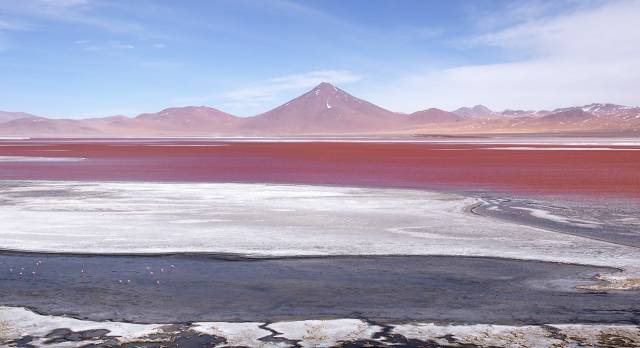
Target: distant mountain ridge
{"type": "Point", "coordinates": [327, 109]}
{"type": "Point", "coordinates": [474, 111]}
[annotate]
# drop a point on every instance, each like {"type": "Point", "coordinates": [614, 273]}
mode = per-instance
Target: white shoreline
{"type": "Point", "coordinates": [17, 322]}
{"type": "Point", "coordinates": [39, 159]}
{"type": "Point", "coordinates": [471, 139]}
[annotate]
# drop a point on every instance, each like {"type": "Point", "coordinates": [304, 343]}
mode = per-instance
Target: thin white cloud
{"type": "Point", "coordinates": [102, 47]}
{"type": "Point", "coordinates": [261, 95]}
{"type": "Point", "coordinates": [266, 91]}
{"type": "Point", "coordinates": [485, 19]}
{"type": "Point", "coordinates": [12, 25]}
{"type": "Point", "coordinates": [69, 11]}
{"type": "Point", "coordinates": [585, 56]}
{"type": "Point", "coordinates": [63, 3]}
{"type": "Point", "coordinates": [7, 25]}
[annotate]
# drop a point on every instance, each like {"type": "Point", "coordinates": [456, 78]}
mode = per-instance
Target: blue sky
{"type": "Point", "coordinates": [78, 58]}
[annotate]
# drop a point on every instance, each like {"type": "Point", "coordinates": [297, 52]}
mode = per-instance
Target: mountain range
{"type": "Point", "coordinates": [327, 110]}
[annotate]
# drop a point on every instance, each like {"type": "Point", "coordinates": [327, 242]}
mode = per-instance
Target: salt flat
{"type": "Point", "coordinates": [273, 220]}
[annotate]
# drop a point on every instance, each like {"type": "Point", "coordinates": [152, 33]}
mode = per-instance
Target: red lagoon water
{"type": "Point", "coordinates": [539, 169]}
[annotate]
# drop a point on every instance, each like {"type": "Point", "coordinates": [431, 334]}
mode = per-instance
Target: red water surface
{"type": "Point", "coordinates": [457, 167]}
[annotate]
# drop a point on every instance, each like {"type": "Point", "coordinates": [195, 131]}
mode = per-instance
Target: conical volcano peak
{"type": "Point", "coordinates": [326, 85]}
{"type": "Point", "coordinates": [325, 88]}
{"type": "Point", "coordinates": [324, 108]}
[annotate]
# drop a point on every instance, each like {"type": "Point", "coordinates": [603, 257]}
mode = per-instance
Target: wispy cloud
{"type": "Point", "coordinates": [513, 13]}
{"type": "Point", "coordinates": [297, 9]}
{"type": "Point", "coordinates": [63, 3]}
{"type": "Point", "coordinates": [7, 25]}
{"type": "Point", "coordinates": [261, 95]}
{"type": "Point", "coordinates": [266, 91]}
{"type": "Point", "coordinates": [588, 55]}
{"type": "Point", "coordinates": [603, 31]}
{"type": "Point", "coordinates": [82, 12]}
{"type": "Point", "coordinates": [109, 46]}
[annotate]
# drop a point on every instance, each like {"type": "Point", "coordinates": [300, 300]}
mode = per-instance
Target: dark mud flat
{"type": "Point", "coordinates": [598, 220]}
{"type": "Point", "coordinates": [189, 288]}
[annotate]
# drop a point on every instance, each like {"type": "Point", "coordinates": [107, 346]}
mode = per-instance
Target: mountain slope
{"type": "Point", "coordinates": [6, 116]}
{"type": "Point", "coordinates": [41, 126]}
{"type": "Point", "coordinates": [198, 119]}
{"type": "Point", "coordinates": [571, 115]}
{"type": "Point", "coordinates": [434, 115]}
{"type": "Point", "coordinates": [607, 110]}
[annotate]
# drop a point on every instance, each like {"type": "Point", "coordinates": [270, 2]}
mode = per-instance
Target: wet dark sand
{"type": "Point", "coordinates": [392, 289]}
